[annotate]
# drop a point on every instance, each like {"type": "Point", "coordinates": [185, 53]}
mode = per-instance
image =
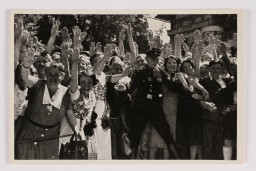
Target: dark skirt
{"type": "Point", "coordinates": [32, 142]}
{"type": "Point", "coordinates": [230, 126]}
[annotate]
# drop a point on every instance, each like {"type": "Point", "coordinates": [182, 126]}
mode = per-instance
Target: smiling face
{"type": "Point", "coordinates": [188, 68]}
{"type": "Point", "coordinates": [171, 65]}
{"type": "Point", "coordinates": [53, 77]}
{"type": "Point", "coordinates": [141, 62]}
{"type": "Point", "coordinates": [86, 84]}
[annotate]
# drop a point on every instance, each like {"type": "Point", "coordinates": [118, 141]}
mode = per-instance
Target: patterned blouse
{"type": "Point", "coordinates": [81, 106]}
{"type": "Point", "coordinates": [100, 89]}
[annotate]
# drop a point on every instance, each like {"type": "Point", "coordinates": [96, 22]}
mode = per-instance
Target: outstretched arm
{"type": "Point", "coordinates": [99, 66]}
{"type": "Point", "coordinates": [121, 42]}
{"type": "Point", "coordinates": [65, 52]}
{"type": "Point", "coordinates": [78, 37]}
{"type": "Point", "coordinates": [74, 71]}
{"type": "Point", "coordinates": [131, 44]}
{"type": "Point", "coordinates": [199, 45]}
{"type": "Point", "coordinates": [18, 34]}
{"type": "Point", "coordinates": [54, 32]}
{"type": "Point", "coordinates": [212, 46]}
{"type": "Point", "coordinates": [28, 60]}
{"type": "Point", "coordinates": [178, 41]}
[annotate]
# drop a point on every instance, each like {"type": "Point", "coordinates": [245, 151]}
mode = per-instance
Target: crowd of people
{"type": "Point", "coordinates": [173, 102]}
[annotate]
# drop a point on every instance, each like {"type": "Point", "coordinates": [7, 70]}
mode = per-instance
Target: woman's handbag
{"type": "Point", "coordinates": [105, 122]}
{"type": "Point", "coordinates": [75, 149]}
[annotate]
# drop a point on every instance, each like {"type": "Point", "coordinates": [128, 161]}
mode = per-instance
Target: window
{"type": "Point", "coordinates": [187, 22]}
{"type": "Point", "coordinates": [198, 19]}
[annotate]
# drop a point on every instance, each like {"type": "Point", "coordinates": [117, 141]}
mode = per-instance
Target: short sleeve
{"type": "Point", "coordinates": [75, 96]}
{"type": "Point", "coordinates": [93, 99]}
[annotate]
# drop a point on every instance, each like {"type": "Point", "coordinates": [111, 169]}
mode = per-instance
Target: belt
{"type": "Point", "coordinates": [39, 125]}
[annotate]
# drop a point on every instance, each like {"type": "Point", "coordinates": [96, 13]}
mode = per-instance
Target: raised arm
{"type": "Point", "coordinates": [92, 48]}
{"type": "Point", "coordinates": [194, 52]}
{"type": "Point", "coordinates": [226, 60]}
{"type": "Point", "coordinates": [65, 52]}
{"type": "Point", "coordinates": [166, 51]}
{"type": "Point", "coordinates": [78, 37]}
{"type": "Point", "coordinates": [21, 51]}
{"type": "Point", "coordinates": [121, 42]}
{"type": "Point", "coordinates": [99, 66]}
{"type": "Point", "coordinates": [151, 40]}
{"type": "Point", "coordinates": [199, 45]}
{"type": "Point", "coordinates": [212, 47]}
{"type": "Point", "coordinates": [18, 30]}
{"type": "Point", "coordinates": [98, 47]}
{"type": "Point", "coordinates": [66, 37]}
{"type": "Point", "coordinates": [178, 41]}
{"type": "Point", "coordinates": [54, 32]}
{"type": "Point", "coordinates": [28, 60]}
{"type": "Point", "coordinates": [136, 50]}
{"type": "Point", "coordinates": [74, 71]}
{"type": "Point", "coordinates": [131, 44]}
{"type": "Point", "coordinates": [200, 48]}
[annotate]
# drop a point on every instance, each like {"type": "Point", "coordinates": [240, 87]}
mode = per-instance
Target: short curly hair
{"type": "Point", "coordinates": [187, 61]}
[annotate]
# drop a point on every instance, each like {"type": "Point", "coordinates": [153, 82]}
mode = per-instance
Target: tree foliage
{"type": "Point", "coordinates": [100, 28]}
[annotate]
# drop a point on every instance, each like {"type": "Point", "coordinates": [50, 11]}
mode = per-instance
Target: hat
{"type": "Point", "coordinates": [215, 62]}
{"type": "Point", "coordinates": [86, 53]}
{"type": "Point", "coordinates": [89, 73]}
{"type": "Point", "coordinates": [153, 53]}
{"type": "Point", "coordinates": [204, 63]}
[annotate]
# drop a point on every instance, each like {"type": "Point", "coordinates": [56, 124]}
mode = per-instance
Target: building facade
{"type": "Point", "coordinates": [223, 25]}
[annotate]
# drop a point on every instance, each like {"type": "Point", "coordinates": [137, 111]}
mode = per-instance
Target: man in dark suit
{"type": "Point", "coordinates": [214, 121]}
{"type": "Point", "coordinates": [148, 103]}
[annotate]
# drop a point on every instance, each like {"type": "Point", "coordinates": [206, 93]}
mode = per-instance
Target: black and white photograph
{"type": "Point", "coordinates": [126, 86]}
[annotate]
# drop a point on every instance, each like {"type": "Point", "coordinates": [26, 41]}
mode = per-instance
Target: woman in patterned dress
{"type": "Point", "coordinates": [103, 135]}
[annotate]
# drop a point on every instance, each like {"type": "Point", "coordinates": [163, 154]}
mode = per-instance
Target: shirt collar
{"type": "Point", "coordinates": [56, 99]}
